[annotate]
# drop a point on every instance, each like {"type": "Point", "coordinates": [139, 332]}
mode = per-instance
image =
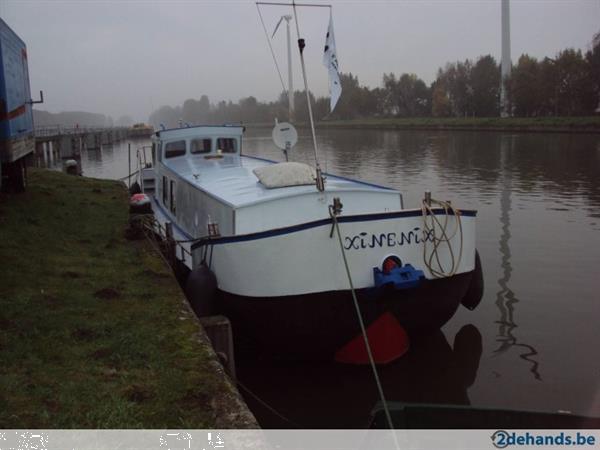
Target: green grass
{"type": "Point", "coordinates": [93, 329]}
{"type": "Point", "coordinates": [562, 124]}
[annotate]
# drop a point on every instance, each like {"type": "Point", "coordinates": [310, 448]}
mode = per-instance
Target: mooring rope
{"type": "Point", "coordinates": [150, 225]}
{"type": "Point", "coordinates": [146, 223]}
{"type": "Point", "coordinates": [127, 176]}
{"type": "Point", "coordinates": [152, 222]}
{"type": "Point", "coordinates": [267, 406]}
{"type": "Point", "coordinates": [431, 228]}
{"type": "Point", "coordinates": [360, 320]}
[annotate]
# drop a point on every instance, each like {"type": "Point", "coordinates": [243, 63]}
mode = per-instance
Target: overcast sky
{"type": "Point", "coordinates": [130, 57]}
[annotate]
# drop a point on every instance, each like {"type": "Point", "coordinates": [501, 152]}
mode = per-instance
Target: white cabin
{"type": "Point", "coordinates": [201, 176]}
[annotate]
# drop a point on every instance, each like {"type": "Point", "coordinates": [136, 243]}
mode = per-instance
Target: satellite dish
{"type": "Point", "coordinates": [285, 135]}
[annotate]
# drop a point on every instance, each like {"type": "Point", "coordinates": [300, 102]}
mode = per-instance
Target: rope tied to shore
{"type": "Point", "coordinates": [333, 213]}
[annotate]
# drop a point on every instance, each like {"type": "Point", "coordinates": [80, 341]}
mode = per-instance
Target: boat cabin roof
{"type": "Point", "coordinates": [228, 176]}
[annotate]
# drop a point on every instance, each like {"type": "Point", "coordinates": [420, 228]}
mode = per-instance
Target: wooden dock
{"type": "Point", "coordinates": [57, 143]}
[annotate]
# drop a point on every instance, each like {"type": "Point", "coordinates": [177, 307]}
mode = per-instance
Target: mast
{"type": "Point", "coordinates": [320, 181]}
{"type": "Point", "coordinates": [290, 77]}
{"type": "Point", "coordinates": [301, 44]}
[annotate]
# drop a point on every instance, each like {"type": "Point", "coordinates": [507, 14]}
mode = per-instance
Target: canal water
{"type": "Point", "coordinates": [532, 342]}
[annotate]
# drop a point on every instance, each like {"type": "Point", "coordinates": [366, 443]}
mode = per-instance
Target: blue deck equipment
{"type": "Point", "coordinates": [404, 277]}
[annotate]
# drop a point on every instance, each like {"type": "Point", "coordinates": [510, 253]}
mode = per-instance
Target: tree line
{"type": "Point", "coordinates": [567, 85]}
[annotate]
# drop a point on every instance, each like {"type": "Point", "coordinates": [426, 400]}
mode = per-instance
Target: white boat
{"type": "Point", "coordinates": [295, 258]}
{"type": "Point", "coordinates": [280, 275]}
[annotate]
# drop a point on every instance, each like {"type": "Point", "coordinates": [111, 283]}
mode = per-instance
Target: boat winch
{"type": "Point", "coordinates": [393, 273]}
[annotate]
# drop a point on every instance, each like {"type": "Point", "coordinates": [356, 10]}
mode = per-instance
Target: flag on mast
{"type": "Point", "coordinates": [331, 62]}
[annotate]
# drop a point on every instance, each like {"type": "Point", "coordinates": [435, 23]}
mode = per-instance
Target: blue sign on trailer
{"type": "Point", "coordinates": [17, 138]}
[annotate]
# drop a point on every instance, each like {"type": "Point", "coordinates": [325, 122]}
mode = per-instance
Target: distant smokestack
{"type": "Point", "coordinates": [506, 63]}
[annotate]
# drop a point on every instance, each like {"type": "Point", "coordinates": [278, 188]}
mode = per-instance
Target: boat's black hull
{"type": "Point", "coordinates": [315, 326]}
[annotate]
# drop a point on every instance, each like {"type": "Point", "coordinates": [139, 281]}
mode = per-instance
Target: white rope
{"type": "Point", "coordinates": [437, 231]}
{"type": "Point", "coordinates": [362, 324]}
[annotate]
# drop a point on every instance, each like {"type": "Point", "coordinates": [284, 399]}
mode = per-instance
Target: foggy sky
{"type": "Point", "coordinates": [117, 57]}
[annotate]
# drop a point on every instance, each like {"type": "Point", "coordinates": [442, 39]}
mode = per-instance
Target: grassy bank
{"type": "Point", "coordinates": [527, 124]}
{"type": "Point", "coordinates": [94, 331]}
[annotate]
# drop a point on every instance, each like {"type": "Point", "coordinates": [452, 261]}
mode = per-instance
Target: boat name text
{"type": "Point", "coordinates": [392, 239]}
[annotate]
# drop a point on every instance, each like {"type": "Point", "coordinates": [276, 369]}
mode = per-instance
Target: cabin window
{"type": "Point", "coordinates": [227, 145]}
{"type": "Point", "coordinates": [173, 149]}
{"type": "Point", "coordinates": [172, 197]}
{"type": "Point", "coordinates": [165, 191]}
{"type": "Point", "coordinates": [154, 154]}
{"type": "Point", "coordinates": [200, 145]}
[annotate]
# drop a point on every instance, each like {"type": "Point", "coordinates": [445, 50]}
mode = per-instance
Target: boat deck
{"type": "Point", "coordinates": [230, 179]}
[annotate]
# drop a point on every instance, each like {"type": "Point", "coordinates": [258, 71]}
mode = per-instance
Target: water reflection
{"type": "Point", "coordinates": [342, 396]}
{"type": "Point", "coordinates": [94, 155]}
{"type": "Point", "coordinates": [506, 300]}
{"type": "Point", "coordinates": [107, 151]}
{"type": "Point", "coordinates": [110, 161]}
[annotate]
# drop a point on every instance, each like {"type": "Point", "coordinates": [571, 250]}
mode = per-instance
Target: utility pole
{"type": "Point", "coordinates": [506, 63]}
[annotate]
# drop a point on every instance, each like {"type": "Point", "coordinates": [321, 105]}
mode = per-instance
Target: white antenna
{"type": "Point", "coordinates": [289, 50]}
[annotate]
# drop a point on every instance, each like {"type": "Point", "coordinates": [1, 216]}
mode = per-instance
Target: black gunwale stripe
{"type": "Point", "coordinates": [322, 222]}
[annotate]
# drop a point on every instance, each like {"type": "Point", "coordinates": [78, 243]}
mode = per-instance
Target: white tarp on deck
{"type": "Point", "coordinates": [285, 174]}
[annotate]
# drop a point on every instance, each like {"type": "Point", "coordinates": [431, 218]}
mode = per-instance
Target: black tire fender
{"type": "Point", "coordinates": [201, 291]}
